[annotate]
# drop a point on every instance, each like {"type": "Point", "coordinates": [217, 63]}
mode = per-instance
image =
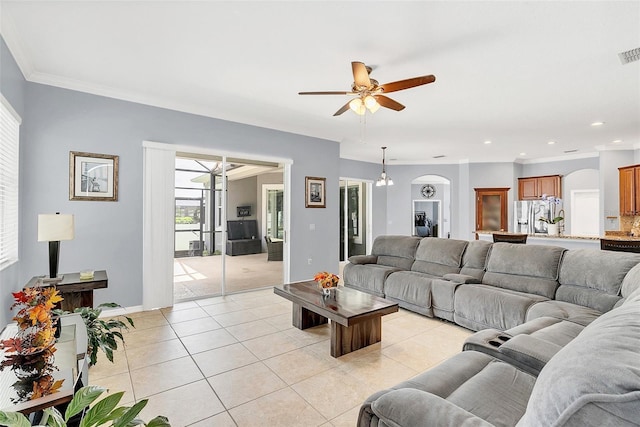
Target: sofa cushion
{"type": "Point", "coordinates": [438, 257]}
{"type": "Point", "coordinates": [474, 382]}
{"type": "Point", "coordinates": [631, 282]}
{"type": "Point", "coordinates": [395, 251]}
{"type": "Point", "coordinates": [474, 259]}
{"type": "Point", "coordinates": [531, 269]}
{"type": "Point", "coordinates": [593, 278]}
{"type": "Point", "coordinates": [563, 310]}
{"type": "Point", "coordinates": [599, 372]}
{"type": "Point", "coordinates": [409, 286]}
{"type": "Point", "coordinates": [480, 306]}
{"type": "Point", "coordinates": [369, 278]}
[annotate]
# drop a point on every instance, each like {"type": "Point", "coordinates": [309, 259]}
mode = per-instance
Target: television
{"type": "Point", "coordinates": [243, 211]}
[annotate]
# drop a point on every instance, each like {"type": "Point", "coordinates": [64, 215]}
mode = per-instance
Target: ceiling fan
{"type": "Point", "coordinates": [369, 93]}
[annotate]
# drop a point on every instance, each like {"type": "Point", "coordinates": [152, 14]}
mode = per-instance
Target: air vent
{"type": "Point", "coordinates": [630, 56]}
{"type": "Point", "coordinates": [570, 151]}
{"type": "Point", "coordinates": [439, 157]}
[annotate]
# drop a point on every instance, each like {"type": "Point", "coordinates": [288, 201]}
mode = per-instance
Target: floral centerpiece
{"type": "Point", "coordinates": [553, 219]}
{"type": "Point", "coordinates": [326, 280]}
{"type": "Point", "coordinates": [30, 352]}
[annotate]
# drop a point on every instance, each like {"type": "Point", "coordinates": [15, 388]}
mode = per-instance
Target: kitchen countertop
{"type": "Point", "coordinates": [567, 236]}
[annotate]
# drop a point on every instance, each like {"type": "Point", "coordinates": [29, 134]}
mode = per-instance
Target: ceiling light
{"type": "Point", "coordinates": [357, 106]}
{"type": "Point", "coordinates": [487, 142]}
{"type": "Point", "coordinates": [551, 142]}
{"type": "Point", "coordinates": [523, 154]}
{"type": "Point", "coordinates": [617, 141]}
{"type": "Point", "coordinates": [597, 123]}
{"type": "Point", "coordinates": [384, 178]}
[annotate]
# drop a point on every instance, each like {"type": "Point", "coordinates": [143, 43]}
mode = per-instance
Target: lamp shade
{"type": "Point", "coordinates": [55, 227]}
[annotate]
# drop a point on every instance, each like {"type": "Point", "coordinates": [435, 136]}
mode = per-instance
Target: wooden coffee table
{"type": "Point", "coordinates": [356, 317]}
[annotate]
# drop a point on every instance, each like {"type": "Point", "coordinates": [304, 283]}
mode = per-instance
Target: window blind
{"type": "Point", "coordinates": [9, 160]}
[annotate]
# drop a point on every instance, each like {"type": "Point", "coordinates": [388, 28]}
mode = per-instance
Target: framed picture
{"type": "Point", "coordinates": [315, 193]}
{"type": "Point", "coordinates": [93, 177]}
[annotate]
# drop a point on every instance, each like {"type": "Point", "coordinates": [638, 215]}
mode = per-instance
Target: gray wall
{"type": "Point", "coordinates": [243, 192]}
{"type": "Point", "coordinates": [108, 234]}
{"type": "Point", "coordinates": [491, 175]}
{"type": "Point", "coordinates": [12, 87]}
{"type": "Point", "coordinates": [399, 197]}
{"type": "Point", "coordinates": [563, 167]}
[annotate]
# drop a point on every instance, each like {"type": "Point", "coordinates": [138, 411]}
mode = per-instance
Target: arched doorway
{"type": "Point", "coordinates": [431, 206]}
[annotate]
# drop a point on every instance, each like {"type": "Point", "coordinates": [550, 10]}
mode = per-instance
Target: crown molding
{"type": "Point", "coordinates": [557, 158]}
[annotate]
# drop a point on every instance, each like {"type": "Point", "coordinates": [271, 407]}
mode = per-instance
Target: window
{"type": "Point", "coordinates": [9, 143]}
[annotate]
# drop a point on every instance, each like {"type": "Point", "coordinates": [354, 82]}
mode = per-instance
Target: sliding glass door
{"type": "Point", "coordinates": [222, 231]}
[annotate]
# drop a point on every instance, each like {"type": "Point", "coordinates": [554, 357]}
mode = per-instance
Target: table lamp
{"type": "Point", "coordinates": [53, 228]}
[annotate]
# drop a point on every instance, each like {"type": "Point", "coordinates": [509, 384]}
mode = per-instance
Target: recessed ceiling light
{"type": "Point", "coordinates": [487, 142]}
{"type": "Point", "coordinates": [616, 141]}
{"type": "Point", "coordinates": [597, 123]}
{"type": "Point", "coordinates": [523, 154]}
{"type": "Point", "coordinates": [551, 142]}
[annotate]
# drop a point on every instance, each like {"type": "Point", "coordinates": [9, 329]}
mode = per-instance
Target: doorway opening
{"type": "Point", "coordinates": [431, 206]}
{"type": "Point", "coordinates": [355, 218]}
{"type": "Point", "coordinates": [224, 223]}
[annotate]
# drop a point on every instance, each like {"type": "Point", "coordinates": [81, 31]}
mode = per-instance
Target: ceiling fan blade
{"type": "Point", "coordinates": [387, 102]}
{"type": "Point", "coordinates": [408, 83]}
{"type": "Point", "coordinates": [344, 108]}
{"type": "Point", "coordinates": [326, 93]}
{"type": "Point", "coordinates": [360, 74]}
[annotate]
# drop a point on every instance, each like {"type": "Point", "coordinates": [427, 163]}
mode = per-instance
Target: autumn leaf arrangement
{"type": "Point", "coordinates": [326, 280]}
{"type": "Point", "coordinates": [30, 352]}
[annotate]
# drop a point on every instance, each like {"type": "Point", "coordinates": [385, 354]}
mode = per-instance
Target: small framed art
{"type": "Point", "coordinates": [315, 192]}
{"type": "Point", "coordinates": [93, 177]}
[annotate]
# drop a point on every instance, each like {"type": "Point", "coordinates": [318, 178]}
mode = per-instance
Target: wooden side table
{"type": "Point", "coordinates": [76, 292]}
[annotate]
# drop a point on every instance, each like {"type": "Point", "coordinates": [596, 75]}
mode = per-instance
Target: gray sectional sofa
{"type": "Point", "coordinates": [543, 314]}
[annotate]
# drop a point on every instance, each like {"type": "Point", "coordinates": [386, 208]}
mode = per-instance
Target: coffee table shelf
{"type": "Point", "coordinates": [356, 317]}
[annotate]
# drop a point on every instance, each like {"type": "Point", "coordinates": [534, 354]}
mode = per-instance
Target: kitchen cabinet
{"type": "Point", "coordinates": [533, 187]}
{"type": "Point", "coordinates": [491, 209]}
{"type": "Point", "coordinates": [630, 190]}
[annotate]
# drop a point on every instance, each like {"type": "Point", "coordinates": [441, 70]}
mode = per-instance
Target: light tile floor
{"type": "Point", "coordinates": [237, 361]}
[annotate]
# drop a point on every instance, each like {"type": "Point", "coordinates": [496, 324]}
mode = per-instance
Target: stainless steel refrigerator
{"type": "Point", "coordinates": [527, 214]}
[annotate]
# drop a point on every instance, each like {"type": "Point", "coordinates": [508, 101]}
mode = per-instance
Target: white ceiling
{"type": "Point", "coordinates": [519, 74]}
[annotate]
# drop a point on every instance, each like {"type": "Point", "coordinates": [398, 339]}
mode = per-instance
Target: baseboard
{"type": "Point", "coordinates": [121, 311]}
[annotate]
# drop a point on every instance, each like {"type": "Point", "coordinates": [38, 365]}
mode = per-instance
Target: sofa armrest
{"type": "Point", "coordinates": [363, 259]}
{"type": "Point", "coordinates": [530, 351]}
{"type": "Point", "coordinates": [412, 407]}
{"type": "Point", "coordinates": [460, 278]}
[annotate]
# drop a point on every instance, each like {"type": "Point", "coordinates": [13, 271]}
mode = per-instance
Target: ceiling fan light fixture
{"type": "Point", "coordinates": [384, 178]}
{"type": "Point", "coordinates": [357, 106]}
{"type": "Point", "coordinates": [371, 103]}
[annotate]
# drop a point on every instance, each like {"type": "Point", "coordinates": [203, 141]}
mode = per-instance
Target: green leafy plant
{"type": "Point", "coordinates": [103, 412]}
{"type": "Point", "coordinates": [551, 221]}
{"type": "Point", "coordinates": [103, 334]}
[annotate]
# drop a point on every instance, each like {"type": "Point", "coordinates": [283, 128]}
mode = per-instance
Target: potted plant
{"type": "Point", "coordinates": [105, 412]}
{"type": "Point", "coordinates": [553, 220]}
{"type": "Point", "coordinates": [102, 334]}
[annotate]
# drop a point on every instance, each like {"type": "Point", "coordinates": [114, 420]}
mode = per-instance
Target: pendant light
{"type": "Point", "coordinates": [384, 178]}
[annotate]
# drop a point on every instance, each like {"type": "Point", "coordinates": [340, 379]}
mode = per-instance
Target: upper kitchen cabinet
{"type": "Point", "coordinates": [630, 190]}
{"type": "Point", "coordinates": [533, 187]}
